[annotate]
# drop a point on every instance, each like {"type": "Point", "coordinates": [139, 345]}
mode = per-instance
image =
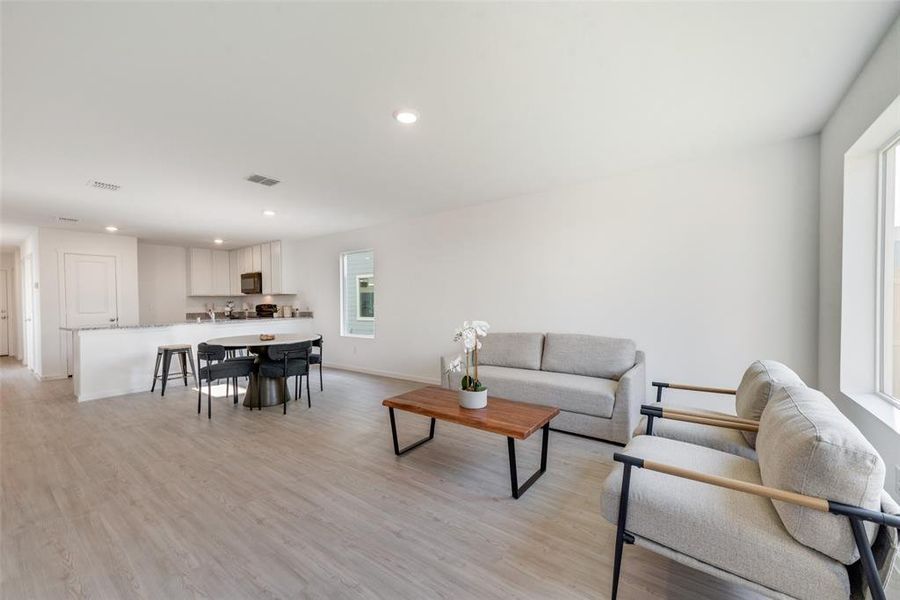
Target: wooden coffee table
{"type": "Point", "coordinates": [515, 420]}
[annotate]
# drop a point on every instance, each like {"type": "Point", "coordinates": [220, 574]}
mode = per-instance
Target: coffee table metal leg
{"type": "Point", "coordinates": [513, 471]}
{"type": "Point", "coordinates": [397, 450]}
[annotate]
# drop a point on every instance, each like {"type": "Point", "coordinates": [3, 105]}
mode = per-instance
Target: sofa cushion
{"type": "Point", "coordinates": [574, 393]}
{"type": "Point", "coordinates": [518, 350]}
{"type": "Point", "coordinates": [806, 445]}
{"type": "Point", "coordinates": [717, 438]}
{"type": "Point", "coordinates": [760, 381]}
{"type": "Point", "coordinates": [590, 355]}
{"type": "Point", "coordinates": [730, 530]}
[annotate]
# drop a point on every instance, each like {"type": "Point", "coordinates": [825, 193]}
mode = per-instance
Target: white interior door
{"type": "Point", "coordinates": [90, 290]}
{"type": "Point", "coordinates": [28, 309]}
{"type": "Point", "coordinates": [4, 313]}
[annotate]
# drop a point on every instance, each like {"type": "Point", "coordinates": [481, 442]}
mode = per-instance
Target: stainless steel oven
{"type": "Point", "coordinates": [251, 283]}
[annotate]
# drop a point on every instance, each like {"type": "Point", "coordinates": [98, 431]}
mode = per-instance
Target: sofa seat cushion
{"type": "Point", "coordinates": [517, 350]}
{"type": "Point", "coordinates": [760, 382]}
{"type": "Point", "coordinates": [733, 531]}
{"type": "Point", "coordinates": [590, 355]}
{"type": "Point", "coordinates": [806, 445]}
{"type": "Point", "coordinates": [574, 393]}
{"type": "Point", "coordinates": [717, 438]}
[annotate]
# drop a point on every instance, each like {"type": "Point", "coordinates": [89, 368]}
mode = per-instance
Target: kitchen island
{"type": "Point", "coordinates": [113, 361]}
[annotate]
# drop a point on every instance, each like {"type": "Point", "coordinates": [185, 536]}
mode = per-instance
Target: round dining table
{"type": "Point", "coordinates": [272, 390]}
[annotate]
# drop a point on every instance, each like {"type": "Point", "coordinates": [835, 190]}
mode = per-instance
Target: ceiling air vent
{"type": "Point", "coordinates": [263, 180]}
{"type": "Point", "coordinates": [66, 220]}
{"type": "Point", "coordinates": [102, 185]}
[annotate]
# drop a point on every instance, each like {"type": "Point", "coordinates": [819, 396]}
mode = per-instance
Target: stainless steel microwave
{"type": "Point", "coordinates": [251, 283]}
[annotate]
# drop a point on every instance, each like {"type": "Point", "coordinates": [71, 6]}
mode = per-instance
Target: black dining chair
{"type": "Point", "coordinates": [219, 367]}
{"type": "Point", "coordinates": [288, 360]}
{"type": "Point", "coordinates": [315, 358]}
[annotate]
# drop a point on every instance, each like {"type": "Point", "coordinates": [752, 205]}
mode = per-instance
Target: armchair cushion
{"type": "Point", "coordinates": [589, 355]}
{"type": "Point", "coordinates": [807, 446]}
{"type": "Point", "coordinates": [516, 350]}
{"type": "Point", "coordinates": [760, 382]}
{"type": "Point", "coordinates": [732, 531]}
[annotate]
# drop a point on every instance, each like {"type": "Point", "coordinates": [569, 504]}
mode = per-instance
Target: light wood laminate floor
{"type": "Point", "coordinates": [139, 497]}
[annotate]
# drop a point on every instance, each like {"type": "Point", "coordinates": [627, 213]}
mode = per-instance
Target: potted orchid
{"type": "Point", "coordinates": [472, 394]}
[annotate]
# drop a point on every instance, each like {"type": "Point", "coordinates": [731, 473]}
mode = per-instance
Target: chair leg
{"type": "Point", "coordinates": [321, 385]}
{"type": "Point", "coordinates": [199, 397]}
{"type": "Point", "coordinates": [182, 356]}
{"type": "Point", "coordinates": [190, 357]}
{"type": "Point", "coordinates": [867, 560]}
{"type": "Point", "coordinates": [308, 397]}
{"type": "Point", "coordinates": [284, 390]}
{"type": "Point", "coordinates": [209, 399]}
{"type": "Point", "coordinates": [227, 386]}
{"type": "Point", "coordinates": [235, 391]}
{"type": "Point", "coordinates": [296, 388]}
{"type": "Point", "coordinates": [620, 532]}
{"type": "Point", "coordinates": [258, 392]}
{"type": "Point", "coordinates": [156, 371]}
{"type": "Point", "coordinates": [167, 362]}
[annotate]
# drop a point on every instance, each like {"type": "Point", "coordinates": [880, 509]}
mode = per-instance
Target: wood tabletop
{"type": "Point", "coordinates": [242, 341]}
{"type": "Point", "coordinates": [513, 419]}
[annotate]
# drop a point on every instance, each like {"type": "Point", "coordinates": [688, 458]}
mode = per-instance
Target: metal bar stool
{"type": "Point", "coordinates": [164, 355]}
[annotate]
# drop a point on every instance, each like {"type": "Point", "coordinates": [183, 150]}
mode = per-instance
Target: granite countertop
{"type": "Point", "coordinates": [303, 315]}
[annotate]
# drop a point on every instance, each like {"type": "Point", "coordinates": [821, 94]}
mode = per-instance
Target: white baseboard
{"type": "Point", "coordinates": [51, 377]}
{"type": "Point", "coordinates": [391, 374]}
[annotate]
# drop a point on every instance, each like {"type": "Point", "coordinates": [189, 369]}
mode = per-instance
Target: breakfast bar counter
{"type": "Point", "coordinates": [113, 361]}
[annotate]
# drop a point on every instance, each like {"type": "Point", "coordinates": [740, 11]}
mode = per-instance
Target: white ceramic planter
{"type": "Point", "coordinates": [473, 399]}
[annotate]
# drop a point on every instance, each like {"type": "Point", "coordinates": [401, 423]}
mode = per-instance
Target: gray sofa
{"type": "Point", "coordinates": [598, 383]}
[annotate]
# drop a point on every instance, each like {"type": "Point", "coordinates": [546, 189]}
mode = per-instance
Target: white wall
{"type": "Point", "coordinates": [708, 265]}
{"type": "Point", "coordinates": [28, 253]}
{"type": "Point", "coordinates": [162, 283]}
{"type": "Point", "coordinates": [52, 245]}
{"type": "Point", "coordinates": [876, 87]}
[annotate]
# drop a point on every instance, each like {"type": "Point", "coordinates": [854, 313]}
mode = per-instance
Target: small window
{"type": "Point", "coordinates": [358, 293]}
{"type": "Point", "coordinates": [889, 274]}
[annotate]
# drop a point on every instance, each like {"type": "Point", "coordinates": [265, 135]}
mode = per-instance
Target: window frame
{"type": "Point", "coordinates": [888, 197]}
{"type": "Point", "coordinates": [343, 291]}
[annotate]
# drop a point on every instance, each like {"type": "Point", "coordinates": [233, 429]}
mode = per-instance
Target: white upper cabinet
{"type": "Point", "coordinates": [277, 269]}
{"type": "Point", "coordinates": [265, 254]}
{"type": "Point", "coordinates": [221, 273]}
{"type": "Point", "coordinates": [201, 272]}
{"type": "Point", "coordinates": [218, 272]}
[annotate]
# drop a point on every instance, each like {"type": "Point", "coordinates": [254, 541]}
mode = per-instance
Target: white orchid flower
{"type": "Point", "coordinates": [480, 327]}
{"type": "Point", "coordinates": [469, 339]}
{"type": "Point", "coordinates": [455, 365]}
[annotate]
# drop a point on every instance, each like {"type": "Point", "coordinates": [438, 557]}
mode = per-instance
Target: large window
{"type": "Point", "coordinates": [358, 293]}
{"type": "Point", "coordinates": [889, 273]}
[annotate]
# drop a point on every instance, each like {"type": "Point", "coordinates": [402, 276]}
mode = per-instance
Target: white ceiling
{"type": "Point", "coordinates": [178, 103]}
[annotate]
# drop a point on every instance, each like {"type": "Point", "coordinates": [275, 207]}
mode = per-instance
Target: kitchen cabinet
{"type": "Point", "coordinates": [200, 276]}
{"type": "Point", "coordinates": [221, 272]}
{"type": "Point", "coordinates": [265, 254]}
{"type": "Point", "coordinates": [209, 272]}
{"type": "Point", "coordinates": [277, 273]}
{"type": "Point", "coordinates": [218, 272]}
{"type": "Point", "coordinates": [256, 254]}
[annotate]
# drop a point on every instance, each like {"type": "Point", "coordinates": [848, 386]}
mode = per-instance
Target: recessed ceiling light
{"type": "Point", "coordinates": [218, 241]}
{"type": "Point", "coordinates": [406, 116]}
{"type": "Point", "coordinates": [112, 229]}
{"type": "Point", "coordinates": [269, 213]}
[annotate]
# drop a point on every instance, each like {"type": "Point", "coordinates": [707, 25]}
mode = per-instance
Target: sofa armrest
{"type": "Point", "coordinates": [630, 395]}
